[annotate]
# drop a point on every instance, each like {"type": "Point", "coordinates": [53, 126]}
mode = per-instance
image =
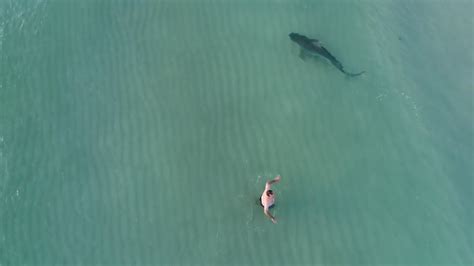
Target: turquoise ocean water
{"type": "Point", "coordinates": [142, 132]}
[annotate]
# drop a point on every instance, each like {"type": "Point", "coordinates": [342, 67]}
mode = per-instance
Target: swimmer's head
{"type": "Point", "coordinates": [269, 192]}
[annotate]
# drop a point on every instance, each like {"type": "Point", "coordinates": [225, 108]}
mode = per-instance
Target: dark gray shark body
{"type": "Point", "coordinates": [314, 47]}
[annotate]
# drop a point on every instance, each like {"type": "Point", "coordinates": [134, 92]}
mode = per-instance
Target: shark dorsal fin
{"type": "Point", "coordinates": [316, 42]}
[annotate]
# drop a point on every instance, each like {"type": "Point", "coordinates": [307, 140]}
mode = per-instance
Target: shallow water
{"type": "Point", "coordinates": [138, 132]}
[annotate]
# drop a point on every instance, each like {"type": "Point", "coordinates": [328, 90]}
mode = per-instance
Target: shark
{"type": "Point", "coordinates": [314, 47]}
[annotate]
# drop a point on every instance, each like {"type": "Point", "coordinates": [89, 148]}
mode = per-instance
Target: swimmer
{"type": "Point", "coordinates": [267, 200]}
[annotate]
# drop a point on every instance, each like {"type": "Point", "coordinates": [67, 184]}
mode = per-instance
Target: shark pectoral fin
{"type": "Point", "coordinates": [303, 54]}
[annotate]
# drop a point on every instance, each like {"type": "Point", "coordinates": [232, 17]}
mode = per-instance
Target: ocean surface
{"type": "Point", "coordinates": [142, 132]}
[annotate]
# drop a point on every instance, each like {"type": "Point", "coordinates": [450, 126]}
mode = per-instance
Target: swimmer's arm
{"type": "Point", "coordinates": [276, 179]}
{"type": "Point", "coordinates": [269, 215]}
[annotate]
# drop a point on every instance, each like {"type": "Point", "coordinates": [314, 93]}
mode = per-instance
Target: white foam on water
{"type": "Point", "coordinates": [2, 33]}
